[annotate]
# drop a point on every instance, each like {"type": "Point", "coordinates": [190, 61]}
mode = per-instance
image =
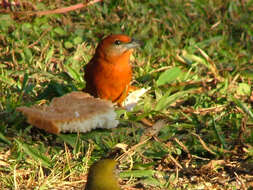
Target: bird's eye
{"type": "Point", "coordinates": [117, 42]}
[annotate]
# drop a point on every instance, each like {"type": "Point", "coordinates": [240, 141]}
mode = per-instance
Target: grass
{"type": "Point", "coordinates": [197, 59]}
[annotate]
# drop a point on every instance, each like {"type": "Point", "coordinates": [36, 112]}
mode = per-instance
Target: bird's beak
{"type": "Point", "coordinates": [133, 44]}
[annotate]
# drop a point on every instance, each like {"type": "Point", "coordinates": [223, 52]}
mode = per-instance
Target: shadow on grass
{"type": "Point", "coordinates": [55, 89]}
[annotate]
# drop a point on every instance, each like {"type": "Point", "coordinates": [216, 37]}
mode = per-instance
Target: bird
{"type": "Point", "coordinates": [102, 176]}
{"type": "Point", "coordinates": [109, 72]}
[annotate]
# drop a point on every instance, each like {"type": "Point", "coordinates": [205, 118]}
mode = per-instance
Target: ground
{"type": "Point", "coordinates": [192, 130]}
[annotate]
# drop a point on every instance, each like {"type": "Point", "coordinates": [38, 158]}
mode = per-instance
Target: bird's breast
{"type": "Point", "coordinates": [112, 79]}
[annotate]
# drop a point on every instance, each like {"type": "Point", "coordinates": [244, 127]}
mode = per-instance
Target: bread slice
{"type": "Point", "coordinates": [133, 98]}
{"type": "Point", "coordinates": [73, 112]}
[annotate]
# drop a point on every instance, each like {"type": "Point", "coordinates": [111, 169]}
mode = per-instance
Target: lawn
{"type": "Point", "coordinates": [192, 130]}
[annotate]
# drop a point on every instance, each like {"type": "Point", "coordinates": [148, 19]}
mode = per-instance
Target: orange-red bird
{"type": "Point", "coordinates": [109, 73]}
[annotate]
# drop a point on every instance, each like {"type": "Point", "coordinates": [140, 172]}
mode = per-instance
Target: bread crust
{"type": "Point", "coordinates": [73, 112]}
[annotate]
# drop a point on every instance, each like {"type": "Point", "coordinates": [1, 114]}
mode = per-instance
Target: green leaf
{"type": "Point", "coordinates": [34, 153]}
{"type": "Point", "coordinates": [74, 74]}
{"type": "Point", "coordinates": [50, 54]}
{"type": "Point", "coordinates": [243, 89]}
{"type": "Point", "coordinates": [7, 80]}
{"type": "Point", "coordinates": [26, 27]}
{"type": "Point", "coordinates": [60, 31]}
{"type": "Point", "coordinates": [5, 22]}
{"type": "Point", "coordinates": [4, 139]}
{"type": "Point", "coordinates": [247, 73]}
{"type": "Point", "coordinates": [25, 80]}
{"type": "Point", "coordinates": [68, 45]}
{"type": "Point", "coordinates": [168, 76]}
{"type": "Point", "coordinates": [166, 100]}
{"type": "Point", "coordinates": [152, 181]}
{"type": "Point", "coordinates": [137, 173]}
{"type": "Point", "coordinates": [28, 54]}
{"type": "Point", "coordinates": [219, 135]}
{"type": "Point", "coordinates": [77, 40]}
{"type": "Point", "coordinates": [69, 139]}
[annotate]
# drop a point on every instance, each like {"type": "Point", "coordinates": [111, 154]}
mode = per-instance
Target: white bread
{"type": "Point", "coordinates": [133, 97]}
{"type": "Point", "coordinates": [73, 112]}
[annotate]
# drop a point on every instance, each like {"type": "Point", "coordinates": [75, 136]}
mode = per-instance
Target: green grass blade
{"type": "Point", "coordinates": [4, 139]}
{"type": "Point", "coordinates": [137, 173]}
{"type": "Point", "coordinates": [168, 76]}
{"type": "Point", "coordinates": [70, 139]}
{"type": "Point", "coordinates": [219, 135]}
{"type": "Point", "coordinates": [243, 107]}
{"type": "Point", "coordinates": [34, 153]}
{"type": "Point", "coordinates": [166, 100]}
{"type": "Point", "coordinates": [74, 74]}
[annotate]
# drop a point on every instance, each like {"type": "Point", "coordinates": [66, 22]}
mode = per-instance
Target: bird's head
{"type": "Point", "coordinates": [116, 45]}
{"type": "Point", "coordinates": [102, 176]}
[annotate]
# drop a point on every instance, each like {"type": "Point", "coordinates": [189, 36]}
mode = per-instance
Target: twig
{"type": "Point", "coordinates": [203, 144]}
{"type": "Point", "coordinates": [200, 158]}
{"type": "Point", "coordinates": [88, 154]}
{"type": "Point", "coordinates": [204, 111]}
{"type": "Point", "coordinates": [239, 181]}
{"type": "Point", "coordinates": [215, 25]}
{"type": "Point", "coordinates": [213, 67]}
{"type": "Point", "coordinates": [160, 69]}
{"type": "Point", "coordinates": [67, 155]}
{"type": "Point", "coordinates": [10, 5]}
{"type": "Point", "coordinates": [15, 177]}
{"type": "Point", "coordinates": [131, 150]}
{"type": "Point", "coordinates": [7, 4]}
{"type": "Point", "coordinates": [175, 161]}
{"type": "Point", "coordinates": [60, 10]}
{"type": "Point", "coordinates": [242, 129]}
{"type": "Point", "coordinates": [67, 9]}
{"type": "Point", "coordinates": [177, 84]}
{"type": "Point", "coordinates": [154, 130]}
{"type": "Point", "coordinates": [42, 35]}
{"type": "Point", "coordinates": [184, 148]}
{"type": "Point", "coordinates": [145, 121]}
